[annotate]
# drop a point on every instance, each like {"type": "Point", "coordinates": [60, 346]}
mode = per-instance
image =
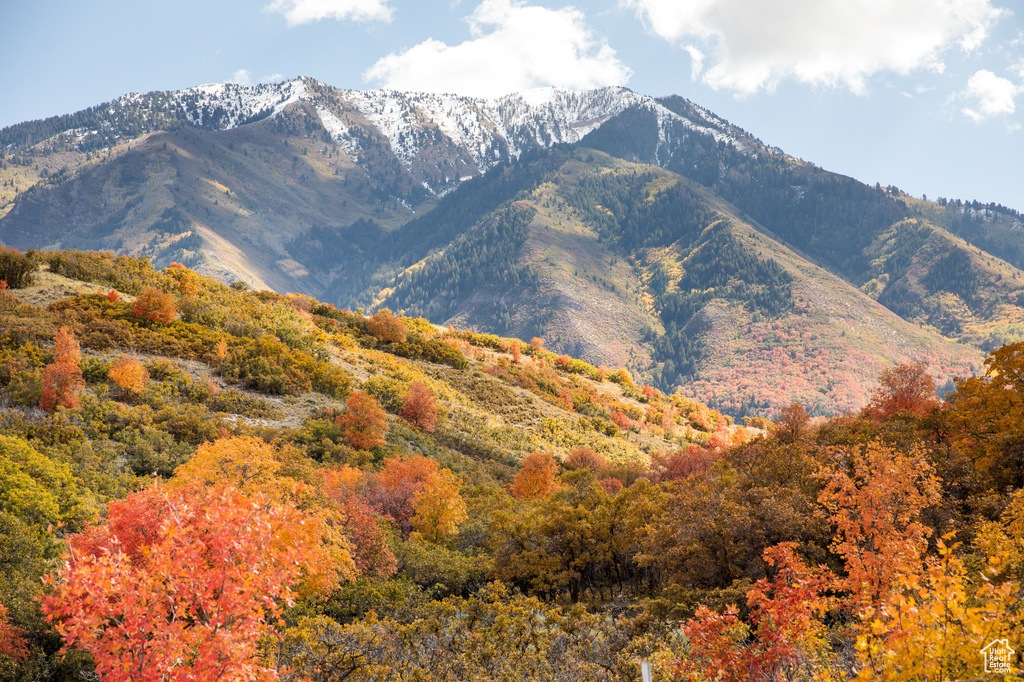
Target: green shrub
{"type": "Point", "coordinates": [95, 370]}
{"type": "Point", "coordinates": [150, 451]}
{"type": "Point", "coordinates": [16, 268]}
{"type": "Point", "coordinates": [236, 402]}
{"type": "Point", "coordinates": [388, 392]}
{"type": "Point", "coordinates": [415, 347]}
{"type": "Point", "coordinates": [163, 369]}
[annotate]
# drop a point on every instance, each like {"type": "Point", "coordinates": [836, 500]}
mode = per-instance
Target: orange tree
{"type": "Point", "coordinates": [177, 584]}
{"type": "Point", "coordinates": [876, 498]}
{"type": "Point", "coordinates": [256, 468]}
{"type": "Point", "coordinates": [155, 305]}
{"type": "Point", "coordinates": [364, 422]}
{"type": "Point", "coordinates": [62, 379]}
{"type": "Point", "coordinates": [387, 327]}
{"type": "Point", "coordinates": [537, 477]}
{"type": "Point", "coordinates": [129, 375]}
{"type": "Point", "coordinates": [986, 417]}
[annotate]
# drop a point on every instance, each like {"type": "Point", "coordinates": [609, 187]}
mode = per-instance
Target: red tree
{"type": "Point", "coordinates": [904, 388]}
{"type": "Point", "coordinates": [12, 642]}
{"type": "Point", "coordinates": [177, 585]}
{"type": "Point", "coordinates": [787, 637]}
{"type": "Point", "coordinates": [420, 408]}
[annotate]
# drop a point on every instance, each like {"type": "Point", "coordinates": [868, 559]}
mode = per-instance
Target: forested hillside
{"type": "Point", "coordinates": [628, 264]}
{"type": "Point", "coordinates": [205, 481]}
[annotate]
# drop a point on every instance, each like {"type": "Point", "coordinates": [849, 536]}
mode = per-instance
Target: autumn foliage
{"type": "Point", "coordinates": [386, 326]}
{"type": "Point", "coordinates": [417, 494]}
{"type": "Point", "coordinates": [440, 509]}
{"type": "Point", "coordinates": [537, 477]}
{"type": "Point", "coordinates": [342, 489]}
{"type": "Point", "coordinates": [585, 458]}
{"type": "Point", "coordinates": [155, 305]}
{"type": "Point", "coordinates": [364, 422]}
{"type": "Point", "coordinates": [785, 634]}
{"type": "Point", "coordinates": [129, 375]}
{"type": "Point", "coordinates": [904, 388]}
{"type": "Point", "coordinates": [876, 498]}
{"type": "Point", "coordinates": [420, 407]}
{"type": "Point", "coordinates": [12, 641]}
{"type": "Point", "coordinates": [177, 584]}
{"type": "Point", "coordinates": [886, 544]}
{"type": "Point", "coordinates": [680, 464]}
{"type": "Point", "coordinates": [62, 379]}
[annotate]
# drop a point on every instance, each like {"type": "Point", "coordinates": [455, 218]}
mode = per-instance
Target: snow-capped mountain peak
{"type": "Point", "coordinates": [441, 139]}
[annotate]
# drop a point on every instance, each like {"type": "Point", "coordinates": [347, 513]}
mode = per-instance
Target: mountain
{"type": "Point", "coordinates": [628, 230]}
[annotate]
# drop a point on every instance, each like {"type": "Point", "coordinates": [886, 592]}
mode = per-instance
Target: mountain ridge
{"type": "Point", "coordinates": [468, 211]}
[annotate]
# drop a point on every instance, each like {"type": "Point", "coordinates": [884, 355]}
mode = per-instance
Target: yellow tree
{"type": "Point", "coordinates": [248, 463]}
{"type": "Point", "coordinates": [937, 619]}
{"type": "Point", "coordinates": [439, 506]}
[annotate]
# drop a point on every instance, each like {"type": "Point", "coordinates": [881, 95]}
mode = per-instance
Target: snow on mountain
{"type": "Point", "coordinates": [235, 104]}
{"type": "Point", "coordinates": [471, 134]}
{"type": "Point", "coordinates": [491, 131]}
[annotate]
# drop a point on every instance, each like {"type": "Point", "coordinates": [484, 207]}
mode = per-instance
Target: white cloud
{"type": "Point", "coordinates": [242, 77]}
{"type": "Point", "coordinates": [991, 96]}
{"type": "Point", "coordinates": [754, 44]}
{"type": "Point", "coordinates": [297, 12]}
{"type": "Point", "coordinates": [515, 47]}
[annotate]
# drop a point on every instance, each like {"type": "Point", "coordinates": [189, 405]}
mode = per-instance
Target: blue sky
{"type": "Point", "coordinates": [927, 95]}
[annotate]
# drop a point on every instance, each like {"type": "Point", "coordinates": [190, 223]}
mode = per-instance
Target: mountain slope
{"type": "Point", "coordinates": [628, 230]}
{"type": "Point", "coordinates": [629, 264]}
